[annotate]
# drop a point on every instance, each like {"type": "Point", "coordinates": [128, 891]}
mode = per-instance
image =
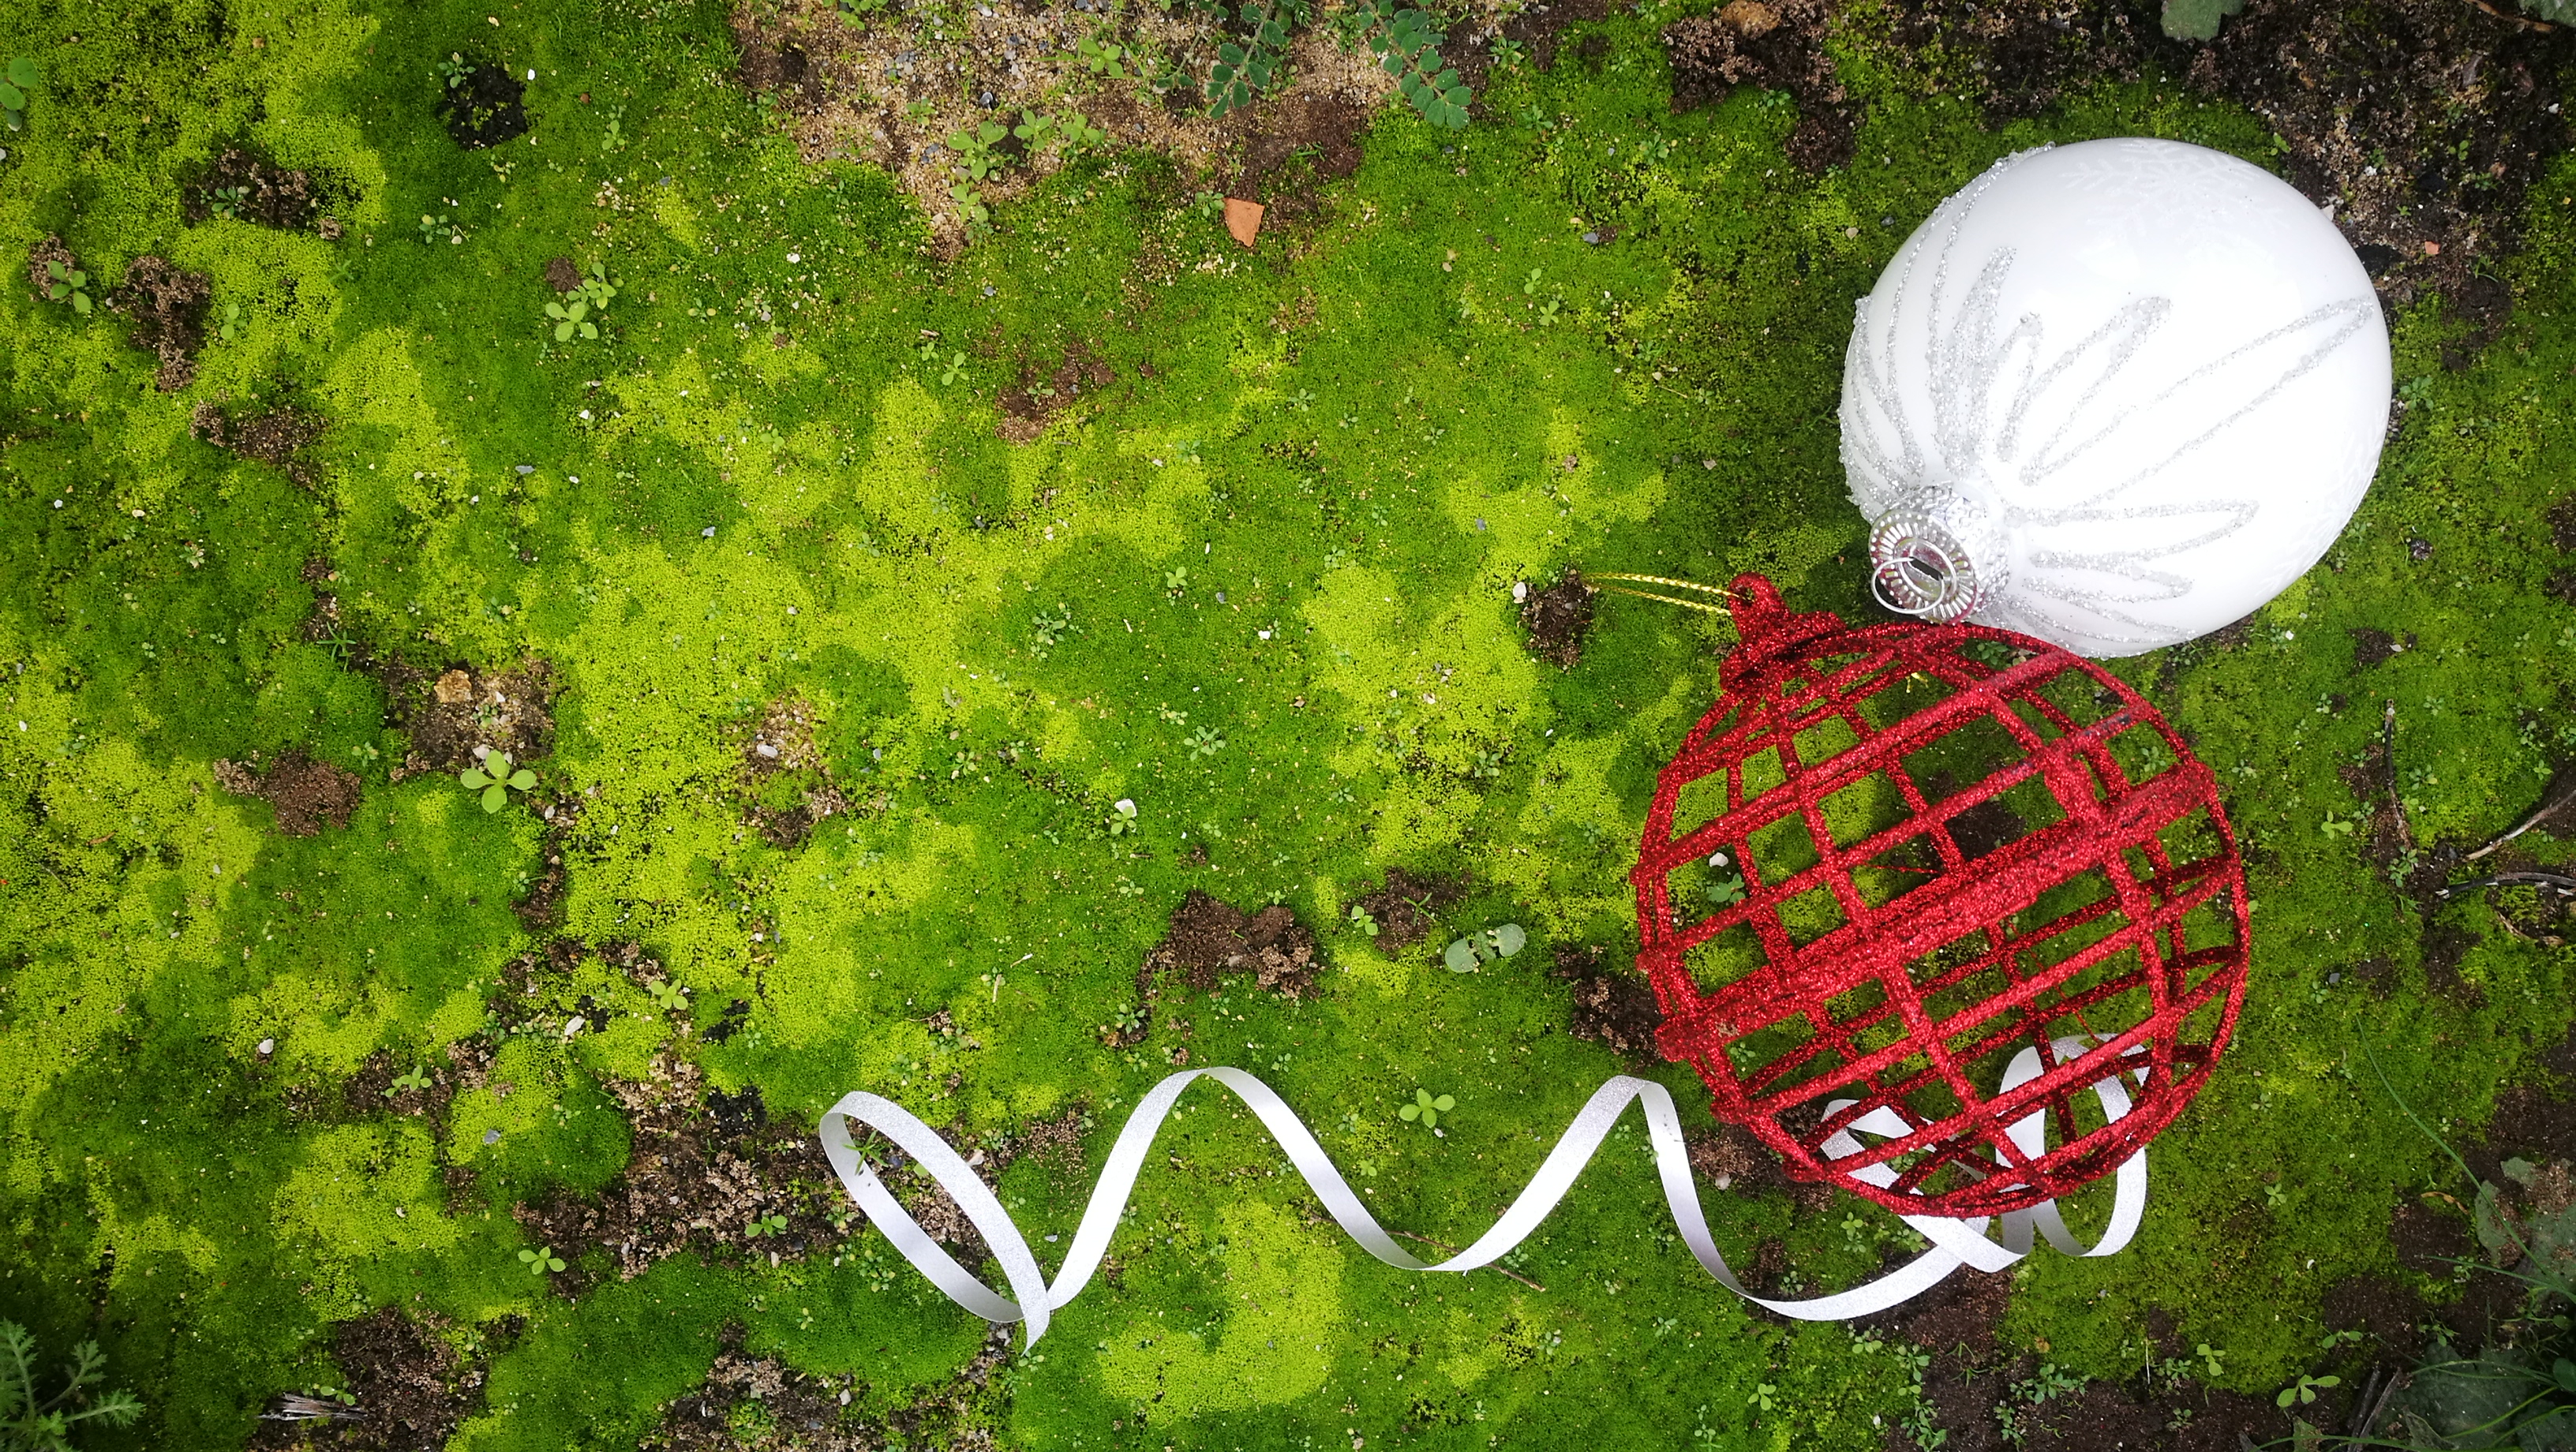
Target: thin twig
{"type": "Point", "coordinates": [2542, 26]}
{"type": "Point", "coordinates": [2361, 1435]}
{"type": "Point", "coordinates": [2361, 1408]}
{"type": "Point", "coordinates": [1453, 1250]}
{"type": "Point", "coordinates": [2388, 763]}
{"type": "Point", "coordinates": [2527, 823]}
{"type": "Point", "coordinates": [2560, 881]}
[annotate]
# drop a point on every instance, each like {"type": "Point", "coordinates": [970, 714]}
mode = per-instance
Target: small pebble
{"type": "Point", "coordinates": [491, 1136]}
{"type": "Point", "coordinates": [267, 1047]}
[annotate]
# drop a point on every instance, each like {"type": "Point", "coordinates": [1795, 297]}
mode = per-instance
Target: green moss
{"type": "Point", "coordinates": [1353, 442]}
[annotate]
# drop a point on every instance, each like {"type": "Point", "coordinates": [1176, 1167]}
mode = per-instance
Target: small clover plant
{"type": "Point", "coordinates": [769, 1225]}
{"type": "Point", "coordinates": [1426, 1109]}
{"type": "Point", "coordinates": [68, 285]}
{"type": "Point", "coordinates": [17, 85]}
{"type": "Point", "coordinates": [231, 328]}
{"type": "Point", "coordinates": [541, 1260]}
{"type": "Point", "coordinates": [1122, 817]}
{"type": "Point", "coordinates": [496, 780]}
{"type": "Point", "coordinates": [1466, 953]}
{"type": "Point", "coordinates": [1362, 920]}
{"type": "Point", "coordinates": [2305, 1392]}
{"type": "Point", "coordinates": [416, 1079]}
{"type": "Point", "coordinates": [571, 313]}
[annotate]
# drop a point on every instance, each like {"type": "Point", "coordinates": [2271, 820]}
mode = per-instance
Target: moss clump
{"type": "Point", "coordinates": [1259, 586]}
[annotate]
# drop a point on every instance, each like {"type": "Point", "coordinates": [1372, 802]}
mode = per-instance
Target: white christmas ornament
{"type": "Point", "coordinates": [2114, 395]}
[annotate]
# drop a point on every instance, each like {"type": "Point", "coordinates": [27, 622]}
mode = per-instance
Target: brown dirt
{"type": "Point", "coordinates": [1731, 1159]}
{"type": "Point", "coordinates": [412, 1390]}
{"type": "Point", "coordinates": [2376, 647]}
{"type": "Point", "coordinates": [1778, 45]}
{"type": "Point", "coordinates": [781, 744]}
{"type": "Point", "coordinates": [305, 793]}
{"type": "Point", "coordinates": [807, 1413]}
{"type": "Point", "coordinates": [1610, 1007]}
{"type": "Point", "coordinates": [39, 277]}
{"type": "Point", "coordinates": [274, 196]}
{"type": "Point", "coordinates": [1040, 394]}
{"type": "Point", "coordinates": [1558, 617]}
{"type": "Point", "coordinates": [892, 94]}
{"type": "Point", "coordinates": [1407, 907]}
{"type": "Point", "coordinates": [1208, 938]}
{"type": "Point", "coordinates": [168, 305]}
{"type": "Point", "coordinates": [275, 436]}
{"type": "Point", "coordinates": [562, 275]}
{"type": "Point", "coordinates": [697, 1179]}
{"type": "Point", "coordinates": [2388, 1313]}
{"type": "Point", "coordinates": [487, 109]}
{"type": "Point", "coordinates": [2425, 122]}
{"type": "Point", "coordinates": [450, 712]}
{"type": "Point", "coordinates": [1326, 128]}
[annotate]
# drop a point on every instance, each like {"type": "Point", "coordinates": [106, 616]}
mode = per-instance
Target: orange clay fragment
{"type": "Point", "coordinates": [1243, 219]}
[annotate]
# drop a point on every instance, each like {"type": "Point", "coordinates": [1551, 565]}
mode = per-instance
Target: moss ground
{"type": "Point", "coordinates": [772, 478]}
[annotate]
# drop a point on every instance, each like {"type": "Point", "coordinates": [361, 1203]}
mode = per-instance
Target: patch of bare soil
{"type": "Point", "coordinates": [410, 1385]}
{"type": "Point", "coordinates": [707, 1170]}
{"type": "Point", "coordinates": [451, 712]}
{"type": "Point", "coordinates": [1778, 45]}
{"type": "Point", "coordinates": [168, 305]}
{"type": "Point", "coordinates": [305, 793]}
{"type": "Point", "coordinates": [1406, 908]}
{"type": "Point", "coordinates": [892, 91]}
{"type": "Point", "coordinates": [1609, 1007]}
{"type": "Point", "coordinates": [787, 779]}
{"type": "Point", "coordinates": [1209, 937]}
{"type": "Point", "coordinates": [2424, 123]}
{"type": "Point", "coordinates": [274, 436]}
{"type": "Point", "coordinates": [485, 106]}
{"type": "Point", "coordinates": [562, 275]}
{"type": "Point", "coordinates": [39, 275]}
{"type": "Point", "coordinates": [1558, 617]}
{"type": "Point", "coordinates": [1034, 401]}
{"type": "Point", "coordinates": [245, 185]}
{"type": "Point", "coordinates": [759, 1404]}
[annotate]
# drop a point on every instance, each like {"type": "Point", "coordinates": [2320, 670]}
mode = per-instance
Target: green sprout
{"type": "Point", "coordinates": [1363, 920]}
{"type": "Point", "coordinates": [495, 780]}
{"type": "Point", "coordinates": [228, 202]}
{"type": "Point", "coordinates": [572, 313]}
{"type": "Point", "coordinates": [668, 994]}
{"type": "Point", "coordinates": [416, 1079]}
{"type": "Point", "coordinates": [1426, 1109]}
{"type": "Point", "coordinates": [541, 1260]}
{"type": "Point", "coordinates": [1205, 741]}
{"type": "Point", "coordinates": [1122, 816]}
{"type": "Point", "coordinates": [68, 284]}
{"type": "Point", "coordinates": [231, 329]}
{"type": "Point", "coordinates": [770, 1225]}
{"type": "Point", "coordinates": [44, 1425]}
{"type": "Point", "coordinates": [1103, 60]}
{"type": "Point", "coordinates": [455, 71]}
{"type": "Point", "coordinates": [2305, 1393]}
{"type": "Point", "coordinates": [1463, 955]}
{"type": "Point", "coordinates": [956, 365]}
{"type": "Point", "coordinates": [21, 78]}
{"type": "Point", "coordinates": [2214, 1357]}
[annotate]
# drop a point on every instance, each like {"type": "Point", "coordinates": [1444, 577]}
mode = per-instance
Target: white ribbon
{"type": "Point", "coordinates": [1033, 1297]}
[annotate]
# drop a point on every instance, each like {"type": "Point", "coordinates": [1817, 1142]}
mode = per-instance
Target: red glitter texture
{"type": "Point", "coordinates": [1953, 843]}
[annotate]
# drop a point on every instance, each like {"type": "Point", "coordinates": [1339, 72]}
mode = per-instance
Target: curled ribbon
{"type": "Point", "coordinates": [1034, 1298]}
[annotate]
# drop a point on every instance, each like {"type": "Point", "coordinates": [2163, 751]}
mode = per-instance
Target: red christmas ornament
{"type": "Point", "coordinates": [1889, 859]}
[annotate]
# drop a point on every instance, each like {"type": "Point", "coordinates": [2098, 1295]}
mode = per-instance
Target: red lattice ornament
{"type": "Point", "coordinates": [1936, 846]}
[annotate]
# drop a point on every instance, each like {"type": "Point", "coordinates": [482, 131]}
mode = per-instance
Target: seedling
{"type": "Point", "coordinates": [68, 284]}
{"type": "Point", "coordinates": [541, 1260]}
{"type": "Point", "coordinates": [1034, 128]}
{"type": "Point", "coordinates": [956, 365]}
{"type": "Point", "coordinates": [496, 780]}
{"type": "Point", "coordinates": [1426, 1109]}
{"type": "Point", "coordinates": [1122, 817]}
{"type": "Point", "coordinates": [772, 1225]}
{"type": "Point", "coordinates": [668, 994]}
{"type": "Point", "coordinates": [1363, 920]}
{"type": "Point", "coordinates": [572, 314]}
{"type": "Point", "coordinates": [455, 71]}
{"type": "Point", "coordinates": [2305, 1393]}
{"type": "Point", "coordinates": [21, 78]}
{"type": "Point", "coordinates": [416, 1079]}
{"type": "Point", "coordinates": [1103, 60]}
{"type": "Point", "coordinates": [231, 329]}
{"type": "Point", "coordinates": [1205, 741]}
{"type": "Point", "coordinates": [44, 1424]}
{"type": "Point", "coordinates": [228, 202]}
{"type": "Point", "coordinates": [2214, 1358]}
{"type": "Point", "coordinates": [975, 154]}
{"type": "Point", "coordinates": [1051, 629]}
{"type": "Point", "coordinates": [1466, 953]}
{"type": "Point", "coordinates": [1176, 580]}
{"type": "Point", "coordinates": [434, 228]}
{"type": "Point", "coordinates": [856, 12]}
